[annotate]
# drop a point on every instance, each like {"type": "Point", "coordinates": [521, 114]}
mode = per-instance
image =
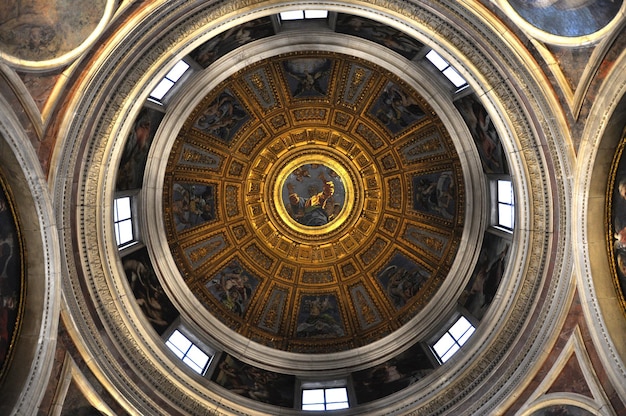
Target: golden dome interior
{"type": "Point", "coordinates": [298, 121]}
{"type": "Point", "coordinates": [312, 205]}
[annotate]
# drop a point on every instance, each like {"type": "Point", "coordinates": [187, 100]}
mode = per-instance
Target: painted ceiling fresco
{"type": "Point", "coordinates": [313, 202]}
{"type": "Point", "coordinates": [616, 211]}
{"type": "Point", "coordinates": [38, 30]}
{"type": "Point", "coordinates": [568, 17]}
{"type": "Point", "coordinates": [12, 285]}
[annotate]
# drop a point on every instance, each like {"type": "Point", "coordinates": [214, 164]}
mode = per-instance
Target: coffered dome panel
{"type": "Point", "coordinates": [314, 202]}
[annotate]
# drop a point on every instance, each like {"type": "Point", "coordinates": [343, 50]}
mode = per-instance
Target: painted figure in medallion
{"type": "Point", "coordinates": [320, 206]}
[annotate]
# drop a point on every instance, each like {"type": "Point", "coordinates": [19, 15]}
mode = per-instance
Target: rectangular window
{"type": "Point", "coordinates": [506, 205]}
{"type": "Point", "coordinates": [325, 399]}
{"type": "Point", "coordinates": [446, 69]}
{"type": "Point", "coordinates": [453, 339]}
{"type": "Point", "coordinates": [303, 14]}
{"type": "Point", "coordinates": [315, 14]}
{"type": "Point", "coordinates": [187, 351]}
{"type": "Point", "coordinates": [169, 80]}
{"type": "Point", "coordinates": [123, 220]}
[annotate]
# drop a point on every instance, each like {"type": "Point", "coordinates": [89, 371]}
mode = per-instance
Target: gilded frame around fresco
{"type": "Point", "coordinates": [613, 239]}
{"type": "Point", "coordinates": [4, 366]}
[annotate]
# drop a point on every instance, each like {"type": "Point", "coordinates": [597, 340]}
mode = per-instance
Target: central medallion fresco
{"type": "Point", "coordinates": [313, 194]}
{"type": "Point", "coordinates": [313, 202]}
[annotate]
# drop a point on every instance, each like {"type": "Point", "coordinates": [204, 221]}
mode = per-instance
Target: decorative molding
{"type": "Point", "coordinates": [70, 373]}
{"type": "Point", "coordinates": [600, 139]}
{"type": "Point", "coordinates": [32, 365]}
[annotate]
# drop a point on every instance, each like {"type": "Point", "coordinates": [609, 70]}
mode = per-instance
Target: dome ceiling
{"type": "Point", "coordinates": [257, 281]}
{"type": "Point", "coordinates": [314, 202]}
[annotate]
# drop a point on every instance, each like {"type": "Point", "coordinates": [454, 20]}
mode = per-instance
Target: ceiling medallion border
{"type": "Point", "coordinates": [294, 157]}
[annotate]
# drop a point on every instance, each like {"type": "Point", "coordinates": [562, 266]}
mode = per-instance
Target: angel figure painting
{"type": "Point", "coordinates": [396, 109]}
{"type": "Point", "coordinates": [486, 277]}
{"type": "Point", "coordinates": [392, 375]}
{"type": "Point", "coordinates": [254, 383]}
{"type": "Point", "coordinates": [193, 204]}
{"type": "Point", "coordinates": [148, 291]}
{"type": "Point", "coordinates": [380, 33]}
{"type": "Point", "coordinates": [434, 193]}
{"type": "Point", "coordinates": [233, 287]}
{"type": "Point", "coordinates": [401, 279]}
{"type": "Point", "coordinates": [307, 77]}
{"type": "Point", "coordinates": [135, 155]}
{"type": "Point", "coordinates": [484, 133]}
{"type": "Point", "coordinates": [231, 39]}
{"type": "Point", "coordinates": [223, 117]}
{"type": "Point", "coordinates": [319, 317]}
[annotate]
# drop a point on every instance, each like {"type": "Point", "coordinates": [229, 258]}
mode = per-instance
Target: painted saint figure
{"type": "Point", "coordinates": [233, 287]}
{"type": "Point", "coordinates": [319, 318]}
{"type": "Point", "coordinates": [316, 210]}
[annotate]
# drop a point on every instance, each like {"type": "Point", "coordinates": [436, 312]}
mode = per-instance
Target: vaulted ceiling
{"type": "Point", "coordinates": [314, 202]}
{"type": "Point", "coordinates": [387, 238]}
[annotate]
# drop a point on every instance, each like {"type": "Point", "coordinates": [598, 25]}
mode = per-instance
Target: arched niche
{"type": "Point", "coordinates": [33, 356]}
{"type": "Point", "coordinates": [605, 313]}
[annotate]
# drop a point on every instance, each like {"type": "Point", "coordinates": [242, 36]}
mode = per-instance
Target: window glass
{"type": "Point", "coordinates": [161, 89]}
{"type": "Point", "coordinates": [124, 232]}
{"type": "Point", "coordinates": [446, 69]}
{"type": "Point", "coordinates": [313, 396]}
{"type": "Point", "coordinates": [169, 80]}
{"type": "Point", "coordinates": [505, 215]}
{"type": "Point", "coordinates": [122, 208]}
{"type": "Point", "coordinates": [177, 71]}
{"type": "Point", "coordinates": [336, 395]}
{"type": "Point", "coordinates": [453, 339]}
{"type": "Point", "coordinates": [454, 77]}
{"type": "Point", "coordinates": [505, 191]}
{"type": "Point", "coordinates": [444, 344]}
{"type": "Point", "coordinates": [315, 14]}
{"type": "Point", "coordinates": [506, 205]}
{"type": "Point", "coordinates": [188, 352]}
{"type": "Point", "coordinates": [453, 349]}
{"type": "Point", "coordinates": [319, 406]}
{"type": "Point", "coordinates": [292, 15]}
{"type": "Point", "coordinates": [195, 354]}
{"type": "Point", "coordinates": [123, 222]}
{"type": "Point", "coordinates": [325, 399]}
{"type": "Point", "coordinates": [437, 60]}
{"type": "Point", "coordinates": [466, 335]}
{"type": "Point", "coordinates": [460, 327]}
{"type": "Point", "coordinates": [336, 406]}
{"type": "Point", "coordinates": [303, 14]}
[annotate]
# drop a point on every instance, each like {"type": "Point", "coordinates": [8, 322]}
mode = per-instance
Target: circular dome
{"type": "Point", "coordinates": [314, 202]}
{"type": "Point", "coordinates": [234, 167]}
